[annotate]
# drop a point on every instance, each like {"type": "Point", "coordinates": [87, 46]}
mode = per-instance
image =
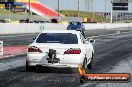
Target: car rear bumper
{"type": "Point", "coordinates": [56, 65]}
{"type": "Point", "coordinates": [65, 61]}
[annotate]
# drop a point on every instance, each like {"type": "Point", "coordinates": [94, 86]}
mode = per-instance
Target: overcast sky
{"type": "Point", "coordinates": [99, 5]}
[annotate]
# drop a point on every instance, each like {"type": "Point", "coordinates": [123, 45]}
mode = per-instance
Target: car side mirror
{"type": "Point", "coordinates": [34, 38]}
{"type": "Point", "coordinates": [91, 40]}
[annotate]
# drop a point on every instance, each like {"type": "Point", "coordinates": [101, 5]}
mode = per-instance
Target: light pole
{"type": "Point", "coordinates": [29, 9]}
{"type": "Point", "coordinates": [58, 8]}
{"type": "Point", "coordinates": [9, 10]}
{"type": "Point", "coordinates": [78, 8]}
{"type": "Point", "coordinates": [93, 8]}
{"type": "Point", "coordinates": [86, 5]}
{"type": "Point", "coordinates": [111, 14]}
{"type": "Point", "coordinates": [105, 11]}
{"type": "Point", "coordinates": [89, 5]}
{"type": "Point", "coordinates": [29, 6]}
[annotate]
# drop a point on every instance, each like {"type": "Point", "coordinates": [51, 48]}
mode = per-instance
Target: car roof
{"type": "Point", "coordinates": [61, 31]}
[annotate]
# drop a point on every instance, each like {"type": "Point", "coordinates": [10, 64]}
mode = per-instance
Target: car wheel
{"type": "Point", "coordinates": [43, 69]}
{"type": "Point", "coordinates": [85, 64]}
{"type": "Point", "coordinates": [90, 65]}
{"type": "Point", "coordinates": [82, 79]}
{"type": "Point", "coordinates": [29, 68]}
{"type": "Point", "coordinates": [39, 68]}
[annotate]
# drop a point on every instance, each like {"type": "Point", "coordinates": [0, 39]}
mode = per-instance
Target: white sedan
{"type": "Point", "coordinates": [60, 48]}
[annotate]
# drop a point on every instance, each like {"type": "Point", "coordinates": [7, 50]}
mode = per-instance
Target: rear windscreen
{"type": "Point", "coordinates": [64, 38]}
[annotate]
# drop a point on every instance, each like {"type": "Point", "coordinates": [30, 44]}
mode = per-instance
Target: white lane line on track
{"type": "Point", "coordinates": [111, 34]}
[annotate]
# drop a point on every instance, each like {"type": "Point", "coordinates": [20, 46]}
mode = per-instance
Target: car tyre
{"type": "Point", "coordinates": [90, 65]}
{"type": "Point", "coordinates": [40, 69]}
{"type": "Point", "coordinates": [29, 68]}
{"type": "Point", "coordinates": [82, 79]}
{"type": "Point", "coordinates": [85, 64]}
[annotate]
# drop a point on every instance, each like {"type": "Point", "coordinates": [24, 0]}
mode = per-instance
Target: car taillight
{"type": "Point", "coordinates": [73, 51]}
{"type": "Point", "coordinates": [34, 49]}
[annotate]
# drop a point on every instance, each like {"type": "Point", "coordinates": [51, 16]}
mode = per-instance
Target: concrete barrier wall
{"type": "Point", "coordinates": [7, 28]}
{"type": "Point", "coordinates": [107, 26]}
{"type": "Point", "coordinates": [53, 26]}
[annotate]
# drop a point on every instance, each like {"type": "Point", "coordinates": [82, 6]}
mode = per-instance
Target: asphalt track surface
{"type": "Point", "coordinates": [109, 51]}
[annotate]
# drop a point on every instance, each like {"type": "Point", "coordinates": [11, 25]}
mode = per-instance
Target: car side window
{"type": "Point", "coordinates": [82, 38]}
